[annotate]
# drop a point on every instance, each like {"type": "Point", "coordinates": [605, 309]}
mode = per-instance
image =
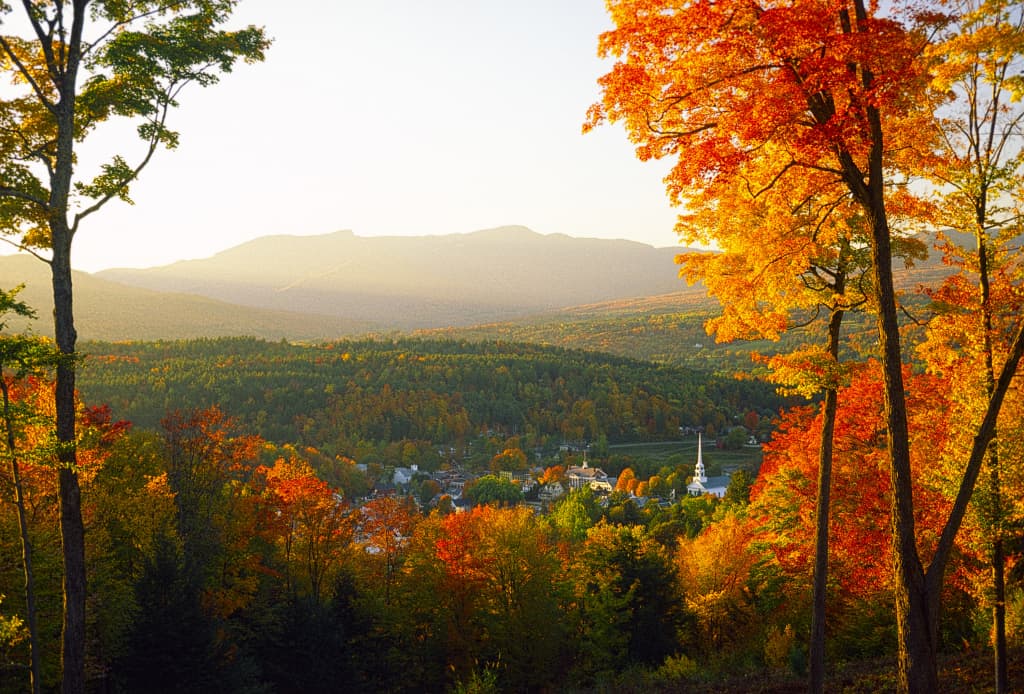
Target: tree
{"type": "Point", "coordinates": [210, 469]}
{"type": "Point", "coordinates": [20, 357]}
{"type": "Point", "coordinates": [627, 589]}
{"type": "Point", "coordinates": [493, 490]}
{"type": "Point", "coordinates": [555, 473]}
{"type": "Point", "coordinates": [31, 484]}
{"type": "Point", "coordinates": [76, 65]}
{"type": "Point", "coordinates": [524, 589]}
{"type": "Point", "coordinates": [130, 511]}
{"type": "Point", "coordinates": [575, 513]}
{"type": "Point", "coordinates": [980, 172]}
{"type": "Point", "coordinates": [714, 571]}
{"type": "Point", "coordinates": [627, 481]}
{"type": "Point", "coordinates": [738, 491]}
{"type": "Point", "coordinates": [819, 95]}
{"type": "Point", "coordinates": [313, 525]}
{"type": "Point", "coordinates": [387, 523]}
{"type": "Point", "coordinates": [783, 498]}
{"type": "Point", "coordinates": [509, 459]}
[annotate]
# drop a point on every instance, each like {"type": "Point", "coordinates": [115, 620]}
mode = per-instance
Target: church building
{"type": "Point", "coordinates": [701, 483]}
{"type": "Point", "coordinates": [586, 476]}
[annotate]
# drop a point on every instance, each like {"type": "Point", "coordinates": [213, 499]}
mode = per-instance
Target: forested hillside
{"type": "Point", "coordinates": [669, 329]}
{"type": "Point", "coordinates": [350, 396]}
{"type": "Point", "coordinates": [220, 561]}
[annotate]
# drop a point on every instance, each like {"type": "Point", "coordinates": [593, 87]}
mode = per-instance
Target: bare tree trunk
{"type": "Point", "coordinates": [61, 235]}
{"type": "Point", "coordinates": [822, 512]}
{"type": "Point", "coordinates": [916, 609]}
{"type": "Point", "coordinates": [916, 614]}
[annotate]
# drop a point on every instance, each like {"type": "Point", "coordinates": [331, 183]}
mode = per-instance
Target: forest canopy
{"type": "Point", "coordinates": [335, 395]}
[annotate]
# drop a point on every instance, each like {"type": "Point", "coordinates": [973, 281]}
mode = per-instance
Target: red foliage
{"type": "Point", "coordinates": [785, 492]}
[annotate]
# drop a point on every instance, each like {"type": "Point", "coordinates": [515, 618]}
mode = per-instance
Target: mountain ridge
{"type": "Point", "coordinates": [503, 282]}
{"type": "Point", "coordinates": [414, 282]}
{"type": "Point", "coordinates": [107, 310]}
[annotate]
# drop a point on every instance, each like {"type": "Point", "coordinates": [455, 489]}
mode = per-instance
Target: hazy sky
{"type": "Point", "coordinates": [390, 118]}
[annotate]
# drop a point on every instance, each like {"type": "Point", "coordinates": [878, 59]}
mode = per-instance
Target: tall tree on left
{"type": "Point", "coordinates": [74, 65]}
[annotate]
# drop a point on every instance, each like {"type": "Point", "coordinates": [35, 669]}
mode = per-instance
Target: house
{"type": "Point", "coordinates": [701, 483]}
{"type": "Point", "coordinates": [551, 491]}
{"type": "Point", "coordinates": [523, 480]}
{"type": "Point", "coordinates": [403, 475]}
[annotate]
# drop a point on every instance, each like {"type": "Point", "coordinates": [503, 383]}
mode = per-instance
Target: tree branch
{"type": "Point", "coordinates": [26, 249]}
{"type": "Point", "coordinates": [91, 45]}
{"type": "Point", "coordinates": [986, 431]}
{"type": "Point", "coordinates": [6, 192]}
{"type": "Point", "coordinates": [24, 72]}
{"type": "Point", "coordinates": [46, 43]}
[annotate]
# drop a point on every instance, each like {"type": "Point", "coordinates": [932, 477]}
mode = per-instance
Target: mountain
{"type": "Point", "coordinates": [106, 310]}
{"type": "Point", "coordinates": [422, 281]}
{"type": "Point", "coordinates": [508, 283]}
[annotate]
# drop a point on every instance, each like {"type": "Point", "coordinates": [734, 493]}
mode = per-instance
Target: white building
{"type": "Point", "coordinates": [702, 484]}
{"type": "Point", "coordinates": [578, 477]}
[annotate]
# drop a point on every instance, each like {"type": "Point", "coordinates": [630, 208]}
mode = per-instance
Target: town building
{"type": "Point", "coordinates": [580, 476]}
{"type": "Point", "coordinates": [701, 483]}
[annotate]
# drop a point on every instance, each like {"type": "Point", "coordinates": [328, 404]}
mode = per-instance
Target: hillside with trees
{"type": "Point", "coordinates": [354, 397]}
{"type": "Point", "coordinates": [221, 560]}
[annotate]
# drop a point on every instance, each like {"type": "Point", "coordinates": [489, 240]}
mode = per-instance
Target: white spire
{"type": "Point", "coordinates": [699, 475]}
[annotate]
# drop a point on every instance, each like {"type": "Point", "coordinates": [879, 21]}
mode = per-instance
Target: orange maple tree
{"type": "Point", "coordinates": [978, 171]}
{"type": "Point", "coordinates": [385, 524]}
{"type": "Point", "coordinates": [209, 467]}
{"type": "Point", "coordinates": [861, 548]}
{"type": "Point", "coordinates": [829, 97]}
{"type": "Point", "coordinates": [309, 521]}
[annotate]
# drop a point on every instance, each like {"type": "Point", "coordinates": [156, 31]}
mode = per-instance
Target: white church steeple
{"type": "Point", "coordinates": [699, 472]}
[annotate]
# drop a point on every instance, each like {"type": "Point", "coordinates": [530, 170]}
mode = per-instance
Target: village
{"type": "Point", "coordinates": [540, 488]}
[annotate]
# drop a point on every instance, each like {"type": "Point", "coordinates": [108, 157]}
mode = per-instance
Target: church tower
{"type": "Point", "coordinates": [699, 473]}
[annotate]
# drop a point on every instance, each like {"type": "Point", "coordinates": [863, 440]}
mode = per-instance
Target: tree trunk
{"type": "Point", "coordinates": [26, 543]}
{"type": "Point", "coordinates": [915, 612]}
{"type": "Point", "coordinates": [823, 509]}
{"type": "Point", "coordinates": [996, 510]}
{"type": "Point", "coordinates": [71, 527]}
{"type": "Point", "coordinates": [999, 617]}
{"type": "Point", "coordinates": [817, 645]}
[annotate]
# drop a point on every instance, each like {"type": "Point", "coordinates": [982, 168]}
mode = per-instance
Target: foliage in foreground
{"type": "Point", "coordinates": [219, 561]}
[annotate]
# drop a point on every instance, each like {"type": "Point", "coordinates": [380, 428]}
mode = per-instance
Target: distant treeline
{"type": "Point", "coordinates": [669, 333]}
{"type": "Point", "coordinates": [343, 395]}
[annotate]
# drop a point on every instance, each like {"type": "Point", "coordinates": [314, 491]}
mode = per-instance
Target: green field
{"type": "Point", "coordinates": [670, 452]}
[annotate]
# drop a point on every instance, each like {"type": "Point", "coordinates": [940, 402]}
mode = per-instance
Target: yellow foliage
{"type": "Point", "coordinates": [778, 646]}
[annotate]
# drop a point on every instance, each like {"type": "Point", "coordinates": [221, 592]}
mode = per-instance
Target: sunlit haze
{"type": "Point", "coordinates": [398, 118]}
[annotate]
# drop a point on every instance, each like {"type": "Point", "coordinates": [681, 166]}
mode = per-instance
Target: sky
{"type": "Point", "coordinates": [405, 117]}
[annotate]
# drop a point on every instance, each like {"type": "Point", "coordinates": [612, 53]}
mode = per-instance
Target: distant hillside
{"type": "Point", "coordinates": [669, 328]}
{"type": "Point", "coordinates": [423, 281]}
{"type": "Point", "coordinates": [110, 311]}
{"type": "Point", "coordinates": [509, 284]}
